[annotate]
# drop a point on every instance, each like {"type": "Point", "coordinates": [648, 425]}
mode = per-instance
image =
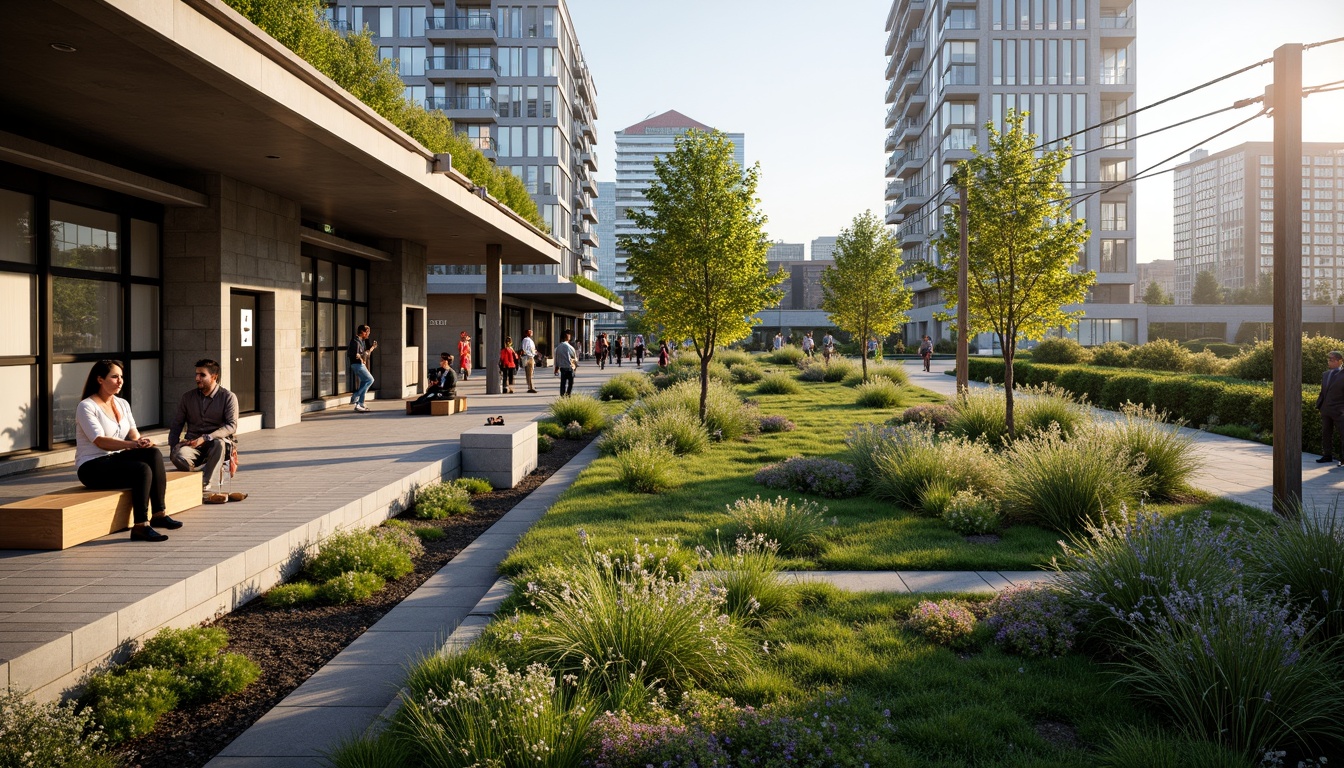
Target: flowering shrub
{"type": "Point", "coordinates": [628, 625]}
{"type": "Point", "coordinates": [823, 477]}
{"type": "Point", "coordinates": [361, 551]}
{"type": "Point", "coordinates": [946, 622]}
{"type": "Point", "coordinates": [402, 535]}
{"type": "Point", "coordinates": [794, 527]}
{"type": "Point", "coordinates": [350, 587]}
{"type": "Point", "coordinates": [970, 514]}
{"type": "Point", "coordinates": [1238, 669]}
{"type": "Point", "coordinates": [723, 734]}
{"type": "Point", "coordinates": [1032, 621]}
{"type": "Point", "coordinates": [496, 717]}
{"type": "Point", "coordinates": [574, 431]}
{"type": "Point", "coordinates": [474, 485]}
{"type": "Point", "coordinates": [1306, 555]}
{"type": "Point", "coordinates": [776, 423]}
{"type": "Point", "coordinates": [545, 444]}
{"type": "Point", "coordinates": [437, 501]}
{"type": "Point", "coordinates": [936, 415]}
{"type": "Point", "coordinates": [49, 735]}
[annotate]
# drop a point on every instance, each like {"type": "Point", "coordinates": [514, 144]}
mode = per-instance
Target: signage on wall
{"type": "Point", "coordinates": [438, 322]}
{"type": "Point", "coordinates": [245, 328]}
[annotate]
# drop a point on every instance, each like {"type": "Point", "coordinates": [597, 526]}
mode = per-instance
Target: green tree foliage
{"type": "Point", "coordinates": [352, 61]}
{"type": "Point", "coordinates": [1207, 289]}
{"type": "Point", "coordinates": [864, 292]}
{"type": "Point", "coordinates": [700, 263]}
{"type": "Point", "coordinates": [1154, 294]}
{"type": "Point", "coordinates": [1023, 244]}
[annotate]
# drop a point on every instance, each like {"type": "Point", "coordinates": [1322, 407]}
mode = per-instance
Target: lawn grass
{"type": "Point", "coordinates": [866, 534]}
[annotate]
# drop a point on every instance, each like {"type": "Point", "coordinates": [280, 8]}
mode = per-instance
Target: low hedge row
{"type": "Point", "coordinates": [1198, 400]}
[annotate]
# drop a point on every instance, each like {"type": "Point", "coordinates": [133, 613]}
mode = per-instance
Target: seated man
{"type": "Point", "coordinates": [210, 414]}
{"type": "Point", "coordinates": [442, 382]}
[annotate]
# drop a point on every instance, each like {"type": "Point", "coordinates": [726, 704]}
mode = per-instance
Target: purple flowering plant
{"type": "Point", "coordinates": [776, 423]}
{"type": "Point", "coordinates": [1033, 621]}
{"type": "Point", "coordinates": [822, 477]}
{"type": "Point", "coordinates": [946, 622]}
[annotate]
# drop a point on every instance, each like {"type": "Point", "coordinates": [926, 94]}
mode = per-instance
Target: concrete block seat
{"type": "Point", "coordinates": [503, 454]}
{"type": "Point", "coordinates": [74, 515]}
{"type": "Point", "coordinates": [443, 407]}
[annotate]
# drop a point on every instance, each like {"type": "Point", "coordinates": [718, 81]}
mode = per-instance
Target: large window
{"type": "Point", "coordinates": [96, 255]}
{"type": "Point", "coordinates": [335, 303]}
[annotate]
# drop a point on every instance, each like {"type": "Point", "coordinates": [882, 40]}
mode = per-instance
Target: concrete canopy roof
{"type": "Point", "coordinates": [544, 289]}
{"type": "Point", "coordinates": [174, 89]}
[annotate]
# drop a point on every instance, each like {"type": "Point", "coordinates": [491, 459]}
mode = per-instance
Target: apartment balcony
{"type": "Point", "coordinates": [1117, 76]}
{"type": "Point", "coordinates": [893, 116]}
{"type": "Point", "coordinates": [893, 163]}
{"type": "Point", "coordinates": [910, 200]}
{"type": "Point", "coordinates": [891, 91]}
{"type": "Point", "coordinates": [486, 144]}
{"type": "Point", "coordinates": [910, 233]}
{"type": "Point", "coordinates": [473, 67]}
{"type": "Point", "coordinates": [910, 81]}
{"type": "Point", "coordinates": [588, 214]}
{"type": "Point", "coordinates": [909, 163]}
{"type": "Point", "coordinates": [464, 109]}
{"type": "Point", "coordinates": [587, 236]}
{"type": "Point", "coordinates": [461, 28]}
{"type": "Point", "coordinates": [909, 129]}
{"type": "Point", "coordinates": [1116, 29]}
{"type": "Point", "coordinates": [894, 188]}
{"type": "Point", "coordinates": [893, 216]}
{"type": "Point", "coordinates": [586, 128]}
{"type": "Point", "coordinates": [919, 98]}
{"type": "Point", "coordinates": [589, 185]}
{"type": "Point", "coordinates": [892, 141]}
{"type": "Point", "coordinates": [589, 159]}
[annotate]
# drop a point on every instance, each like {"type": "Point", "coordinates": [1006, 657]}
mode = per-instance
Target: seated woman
{"type": "Point", "coordinates": [111, 454]}
{"type": "Point", "coordinates": [442, 382]}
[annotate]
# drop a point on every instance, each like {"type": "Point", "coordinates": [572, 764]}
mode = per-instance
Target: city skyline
{"type": "Point", "coordinates": [821, 116]}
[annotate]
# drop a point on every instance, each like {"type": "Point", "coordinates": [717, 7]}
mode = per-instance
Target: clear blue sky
{"type": "Point", "coordinates": [805, 83]}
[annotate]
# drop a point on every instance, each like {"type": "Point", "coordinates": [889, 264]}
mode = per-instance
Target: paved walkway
{"type": "Point", "coordinates": [1241, 470]}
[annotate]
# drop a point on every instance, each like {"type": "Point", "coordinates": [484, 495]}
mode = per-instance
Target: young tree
{"type": "Point", "coordinates": [1207, 289]}
{"type": "Point", "coordinates": [1023, 244]}
{"type": "Point", "coordinates": [1154, 294]}
{"type": "Point", "coordinates": [700, 262]}
{"type": "Point", "coordinates": [864, 292]}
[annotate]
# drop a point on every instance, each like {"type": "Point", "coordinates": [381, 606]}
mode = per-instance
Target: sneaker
{"type": "Point", "coordinates": [361, 409]}
{"type": "Point", "coordinates": [146, 533]}
{"type": "Point", "coordinates": [164, 521]}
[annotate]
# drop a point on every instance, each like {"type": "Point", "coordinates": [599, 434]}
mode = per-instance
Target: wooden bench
{"type": "Point", "coordinates": [445, 407]}
{"type": "Point", "coordinates": [76, 514]}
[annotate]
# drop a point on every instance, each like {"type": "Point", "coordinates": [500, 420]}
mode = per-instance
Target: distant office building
{"type": "Point", "coordinates": [786, 252]}
{"type": "Point", "coordinates": [1160, 271]}
{"type": "Point", "coordinates": [822, 248]}
{"type": "Point", "coordinates": [1224, 218]}
{"type": "Point", "coordinates": [953, 66]}
{"type": "Point", "coordinates": [606, 251]}
{"type": "Point", "coordinates": [636, 147]}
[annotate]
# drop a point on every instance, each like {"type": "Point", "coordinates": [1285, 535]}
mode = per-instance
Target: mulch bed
{"type": "Point", "coordinates": [290, 644]}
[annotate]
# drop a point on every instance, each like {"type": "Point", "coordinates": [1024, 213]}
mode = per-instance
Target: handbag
{"type": "Point", "coordinates": [540, 360]}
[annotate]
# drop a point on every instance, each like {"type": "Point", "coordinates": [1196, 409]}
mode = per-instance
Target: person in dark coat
{"type": "Point", "coordinates": [1330, 402]}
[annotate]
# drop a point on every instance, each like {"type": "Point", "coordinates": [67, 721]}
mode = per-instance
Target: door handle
{"type": "Point", "coordinates": [237, 359]}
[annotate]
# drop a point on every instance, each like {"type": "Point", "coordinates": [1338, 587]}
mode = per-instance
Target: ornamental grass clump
{"type": "Point", "coordinates": [1304, 557]}
{"type": "Point", "coordinates": [936, 495]}
{"type": "Point", "coordinates": [1121, 571]}
{"type": "Point", "coordinates": [878, 393]}
{"type": "Point", "coordinates": [626, 386]}
{"type": "Point", "coordinates": [474, 485]}
{"type": "Point", "coordinates": [438, 501]}
{"type": "Point", "coordinates": [746, 373]}
{"type": "Point", "coordinates": [786, 355]}
{"type": "Point", "coordinates": [1169, 456]}
{"type": "Point", "coordinates": [822, 477]}
{"type": "Point", "coordinates": [749, 576]}
{"type": "Point", "coordinates": [795, 527]}
{"type": "Point", "coordinates": [778, 384]}
{"type": "Point", "coordinates": [911, 459]}
{"type": "Point", "coordinates": [584, 409]}
{"type": "Point", "coordinates": [726, 416]}
{"type": "Point", "coordinates": [678, 429]}
{"type": "Point", "coordinates": [970, 514]}
{"type": "Point", "coordinates": [935, 415]}
{"type": "Point", "coordinates": [1238, 669]}
{"type": "Point", "coordinates": [946, 622]}
{"type": "Point", "coordinates": [1033, 621]}
{"type": "Point", "coordinates": [1039, 407]}
{"type": "Point", "coordinates": [617, 619]}
{"type": "Point", "coordinates": [812, 371]}
{"type": "Point", "coordinates": [49, 735]}
{"type": "Point", "coordinates": [497, 717]}
{"type": "Point", "coordinates": [980, 414]}
{"type": "Point", "coordinates": [1065, 484]}
{"type": "Point", "coordinates": [574, 431]}
{"type": "Point", "coordinates": [839, 369]}
{"type": "Point", "coordinates": [646, 467]}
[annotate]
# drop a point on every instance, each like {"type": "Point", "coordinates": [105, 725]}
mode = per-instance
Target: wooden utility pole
{"type": "Point", "coordinates": [1285, 97]}
{"type": "Point", "coordinates": [963, 292]}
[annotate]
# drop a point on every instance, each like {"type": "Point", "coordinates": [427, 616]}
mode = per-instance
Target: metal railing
{"type": "Point", "coordinates": [476, 62]}
{"type": "Point", "coordinates": [447, 103]}
{"type": "Point", "coordinates": [460, 22]}
{"type": "Point", "coordinates": [1116, 22]}
{"type": "Point", "coordinates": [483, 143]}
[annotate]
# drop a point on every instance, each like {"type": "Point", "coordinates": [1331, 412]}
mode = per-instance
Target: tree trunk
{"type": "Point", "coordinates": [863, 355]}
{"type": "Point", "coordinates": [1008, 354]}
{"type": "Point", "coordinates": [704, 384]}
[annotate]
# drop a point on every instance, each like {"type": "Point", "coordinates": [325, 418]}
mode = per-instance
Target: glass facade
{"type": "Point", "coordinates": [80, 281]}
{"type": "Point", "coordinates": [335, 290]}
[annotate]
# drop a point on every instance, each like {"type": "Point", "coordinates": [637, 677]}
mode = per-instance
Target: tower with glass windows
{"type": "Point", "coordinates": [954, 65]}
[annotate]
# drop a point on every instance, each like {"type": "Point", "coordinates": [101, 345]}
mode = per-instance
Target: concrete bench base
{"type": "Point", "coordinates": [76, 514]}
{"type": "Point", "coordinates": [442, 407]}
{"type": "Point", "coordinates": [504, 454]}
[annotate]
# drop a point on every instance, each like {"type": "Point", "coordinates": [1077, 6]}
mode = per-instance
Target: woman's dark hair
{"type": "Point", "coordinates": [100, 370]}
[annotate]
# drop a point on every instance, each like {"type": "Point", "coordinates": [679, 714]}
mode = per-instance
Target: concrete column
{"type": "Point", "coordinates": [494, 319]}
{"type": "Point", "coordinates": [395, 287]}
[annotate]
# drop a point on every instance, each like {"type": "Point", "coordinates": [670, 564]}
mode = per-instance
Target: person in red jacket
{"type": "Point", "coordinates": [508, 365]}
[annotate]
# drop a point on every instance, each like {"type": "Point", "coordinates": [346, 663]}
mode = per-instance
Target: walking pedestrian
{"type": "Point", "coordinates": [600, 351]}
{"type": "Point", "coordinates": [639, 349]}
{"type": "Point", "coordinates": [617, 347]}
{"type": "Point", "coordinates": [926, 352]}
{"type": "Point", "coordinates": [566, 362]}
{"type": "Point", "coordinates": [827, 348]}
{"type": "Point", "coordinates": [508, 366]}
{"type": "Point", "coordinates": [663, 354]}
{"type": "Point", "coordinates": [529, 359]}
{"type": "Point", "coordinates": [809, 344]}
{"type": "Point", "coordinates": [1330, 402]}
{"type": "Point", "coordinates": [464, 355]}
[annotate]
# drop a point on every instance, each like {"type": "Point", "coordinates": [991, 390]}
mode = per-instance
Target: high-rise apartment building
{"type": "Point", "coordinates": [1223, 218]}
{"type": "Point", "coordinates": [636, 147]}
{"type": "Point", "coordinates": [511, 76]}
{"type": "Point", "coordinates": [953, 65]}
{"type": "Point", "coordinates": [786, 252]}
{"type": "Point", "coordinates": [1159, 271]}
{"type": "Point", "coordinates": [822, 248]}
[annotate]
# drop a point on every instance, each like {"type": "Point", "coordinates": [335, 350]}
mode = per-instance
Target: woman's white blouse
{"type": "Point", "coordinates": [92, 422]}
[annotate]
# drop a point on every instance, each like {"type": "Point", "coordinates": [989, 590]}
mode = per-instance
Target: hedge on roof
{"type": "Point", "coordinates": [351, 60]}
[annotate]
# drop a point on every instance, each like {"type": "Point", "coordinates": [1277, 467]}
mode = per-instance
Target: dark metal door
{"type": "Point", "coordinates": [243, 349]}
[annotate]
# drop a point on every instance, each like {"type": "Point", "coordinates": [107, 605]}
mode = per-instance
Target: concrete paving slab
{"type": "Point", "coordinates": [349, 685]}
{"type": "Point", "coordinates": [377, 645]}
{"type": "Point", "coordinates": [415, 618]}
{"type": "Point", "coordinates": [1024, 578]}
{"type": "Point", "coordinates": [945, 581]}
{"type": "Point", "coordinates": [275, 735]}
